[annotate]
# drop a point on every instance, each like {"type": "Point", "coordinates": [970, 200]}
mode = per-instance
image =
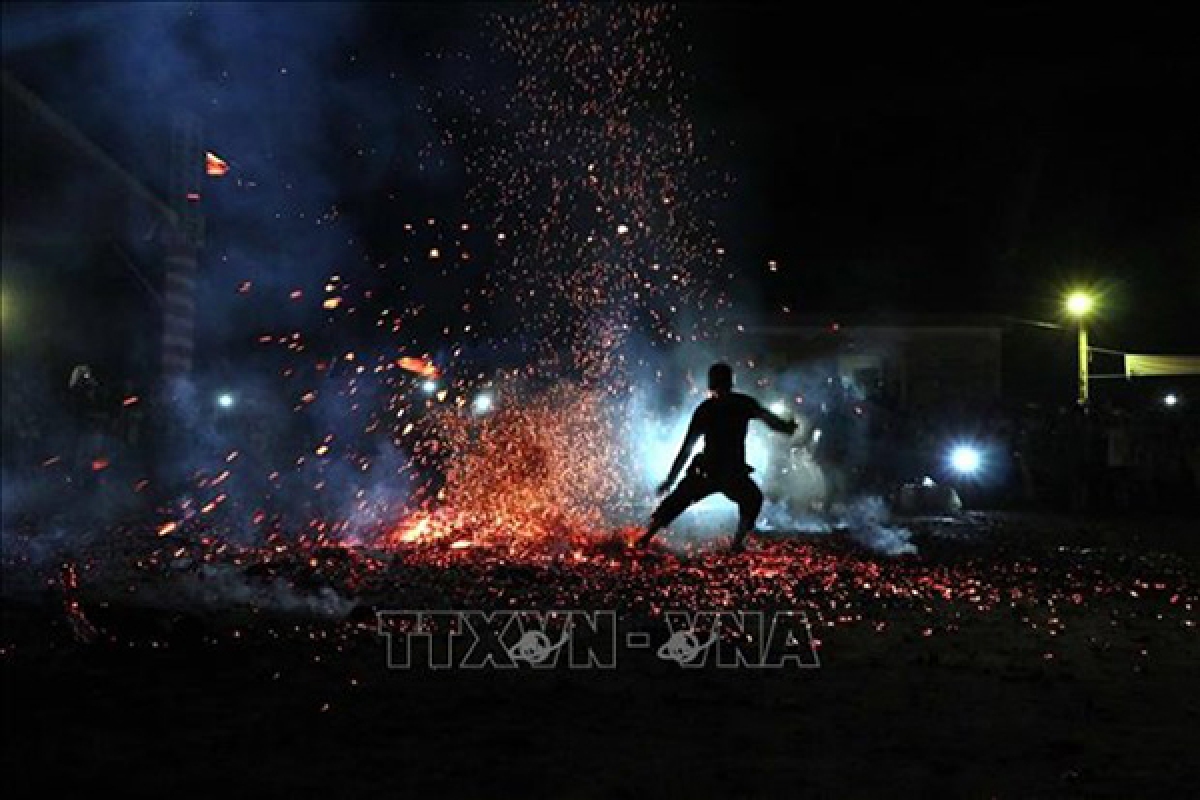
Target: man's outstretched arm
{"type": "Point", "coordinates": [776, 422]}
{"type": "Point", "coordinates": [689, 442]}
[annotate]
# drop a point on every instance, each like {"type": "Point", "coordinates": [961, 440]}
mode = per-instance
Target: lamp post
{"type": "Point", "coordinates": [1078, 305]}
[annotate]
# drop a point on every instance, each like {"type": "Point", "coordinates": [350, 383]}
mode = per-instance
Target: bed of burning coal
{"type": "Point", "coordinates": [984, 602]}
{"type": "Point", "coordinates": [966, 573]}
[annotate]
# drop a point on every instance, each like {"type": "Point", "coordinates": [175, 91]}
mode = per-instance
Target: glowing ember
{"type": "Point", "coordinates": [418, 366]}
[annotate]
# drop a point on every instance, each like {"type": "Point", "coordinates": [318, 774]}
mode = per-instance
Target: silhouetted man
{"type": "Point", "coordinates": [722, 420]}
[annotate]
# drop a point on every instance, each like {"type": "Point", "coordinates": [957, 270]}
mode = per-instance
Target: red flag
{"type": "Point", "coordinates": [214, 165]}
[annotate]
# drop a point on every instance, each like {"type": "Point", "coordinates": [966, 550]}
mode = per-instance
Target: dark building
{"type": "Point", "coordinates": [98, 268]}
{"type": "Point", "coordinates": [913, 362]}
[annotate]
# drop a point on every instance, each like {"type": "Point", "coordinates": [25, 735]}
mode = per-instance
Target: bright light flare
{"type": "Point", "coordinates": [966, 459]}
{"type": "Point", "coordinates": [483, 403]}
{"type": "Point", "coordinates": [225, 400]}
{"type": "Point", "coordinates": [1079, 303]}
{"type": "Point", "coordinates": [1170, 400]}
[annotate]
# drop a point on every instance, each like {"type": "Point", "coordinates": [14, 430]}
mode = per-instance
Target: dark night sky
{"type": "Point", "coordinates": [900, 161]}
{"type": "Point", "coordinates": [966, 160]}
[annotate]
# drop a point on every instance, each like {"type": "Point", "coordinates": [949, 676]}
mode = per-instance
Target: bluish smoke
{"type": "Point", "coordinates": [310, 124]}
{"type": "Point", "coordinates": [278, 90]}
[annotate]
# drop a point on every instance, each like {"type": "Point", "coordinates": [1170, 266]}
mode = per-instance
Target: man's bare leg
{"type": "Point", "coordinates": [749, 499]}
{"type": "Point", "coordinates": [689, 491]}
{"type": "Point", "coordinates": [739, 539]}
{"type": "Point", "coordinates": [644, 540]}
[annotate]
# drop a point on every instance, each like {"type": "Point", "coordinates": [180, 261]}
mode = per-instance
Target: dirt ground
{"type": "Point", "coordinates": [1098, 698]}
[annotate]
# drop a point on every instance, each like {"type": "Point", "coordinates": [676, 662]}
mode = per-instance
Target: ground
{"type": "Point", "coordinates": [1012, 656]}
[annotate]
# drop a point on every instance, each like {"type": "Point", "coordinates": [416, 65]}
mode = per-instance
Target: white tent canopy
{"type": "Point", "coordinates": [1142, 366]}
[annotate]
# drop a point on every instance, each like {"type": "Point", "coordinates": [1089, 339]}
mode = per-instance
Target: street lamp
{"type": "Point", "coordinates": [1079, 304]}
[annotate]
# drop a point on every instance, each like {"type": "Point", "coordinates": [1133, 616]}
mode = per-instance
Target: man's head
{"type": "Point", "coordinates": [720, 378]}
